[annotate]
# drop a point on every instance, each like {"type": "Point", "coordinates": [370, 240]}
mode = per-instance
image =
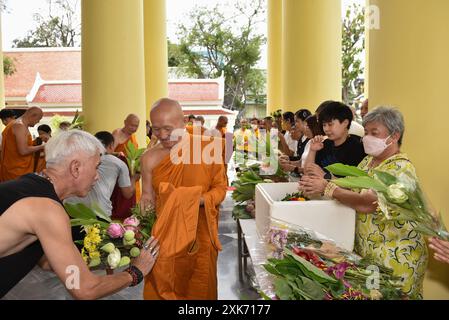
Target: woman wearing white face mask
{"type": "Point", "coordinates": [393, 244]}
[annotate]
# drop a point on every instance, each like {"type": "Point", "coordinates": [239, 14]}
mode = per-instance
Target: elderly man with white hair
{"type": "Point", "coordinates": [33, 222]}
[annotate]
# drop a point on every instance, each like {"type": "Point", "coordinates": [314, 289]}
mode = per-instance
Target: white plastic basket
{"type": "Point", "coordinates": [327, 217]}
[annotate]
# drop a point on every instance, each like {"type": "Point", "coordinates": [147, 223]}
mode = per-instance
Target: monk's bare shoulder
{"type": "Point", "coordinates": [18, 127]}
{"type": "Point", "coordinates": [152, 157]}
{"type": "Point", "coordinates": [116, 132]}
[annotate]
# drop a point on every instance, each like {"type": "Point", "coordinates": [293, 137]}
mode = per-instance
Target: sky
{"type": "Point", "coordinates": [18, 19]}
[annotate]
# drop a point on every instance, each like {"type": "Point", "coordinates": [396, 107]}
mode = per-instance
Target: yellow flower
{"type": "Point", "coordinates": [84, 255]}
{"type": "Point", "coordinates": [94, 255]}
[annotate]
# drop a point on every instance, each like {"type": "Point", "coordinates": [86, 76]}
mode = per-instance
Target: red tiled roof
{"type": "Point", "coordinates": [58, 93]}
{"type": "Point", "coordinates": [71, 92]}
{"type": "Point", "coordinates": [52, 65]}
{"type": "Point", "coordinates": [193, 91]}
{"type": "Point", "coordinates": [64, 65]}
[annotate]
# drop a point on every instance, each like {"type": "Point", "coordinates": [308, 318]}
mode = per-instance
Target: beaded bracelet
{"type": "Point", "coordinates": [136, 274]}
{"type": "Point", "coordinates": [329, 190]}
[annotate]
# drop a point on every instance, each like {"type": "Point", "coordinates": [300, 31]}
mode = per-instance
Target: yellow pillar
{"type": "Point", "coordinates": [311, 63]}
{"type": "Point", "coordinates": [2, 77]}
{"type": "Point", "coordinates": [409, 69]}
{"type": "Point", "coordinates": [274, 76]}
{"type": "Point", "coordinates": [113, 64]}
{"type": "Point", "coordinates": [156, 60]}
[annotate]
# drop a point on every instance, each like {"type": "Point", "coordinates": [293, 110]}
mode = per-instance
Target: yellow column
{"type": "Point", "coordinates": [274, 76]}
{"type": "Point", "coordinates": [156, 61]}
{"type": "Point", "coordinates": [409, 69]}
{"type": "Point", "coordinates": [2, 77]}
{"type": "Point", "coordinates": [311, 63]}
{"type": "Point", "coordinates": [113, 64]}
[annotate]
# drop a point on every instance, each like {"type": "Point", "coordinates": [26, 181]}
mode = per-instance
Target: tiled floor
{"type": "Point", "coordinates": [45, 285]}
{"type": "Point", "coordinates": [229, 286]}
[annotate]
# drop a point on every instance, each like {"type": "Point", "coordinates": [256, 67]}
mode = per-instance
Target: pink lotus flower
{"type": "Point", "coordinates": [115, 230]}
{"type": "Point", "coordinates": [339, 270]}
{"type": "Point", "coordinates": [131, 223]}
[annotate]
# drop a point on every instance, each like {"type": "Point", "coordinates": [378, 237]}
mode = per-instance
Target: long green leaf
{"type": "Point", "coordinates": [100, 213]}
{"type": "Point", "coordinates": [318, 274]}
{"type": "Point", "coordinates": [283, 290]}
{"type": "Point", "coordinates": [79, 211]}
{"type": "Point", "coordinates": [385, 177]}
{"type": "Point", "coordinates": [360, 183]}
{"type": "Point", "coordinates": [271, 269]}
{"type": "Point", "coordinates": [313, 289]}
{"type": "Point", "coordinates": [343, 170]}
{"type": "Point", "coordinates": [87, 222]}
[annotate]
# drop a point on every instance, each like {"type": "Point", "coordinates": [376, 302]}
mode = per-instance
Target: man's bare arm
{"type": "Point", "coordinates": [147, 166]}
{"type": "Point", "coordinates": [53, 231]}
{"type": "Point", "coordinates": [21, 134]}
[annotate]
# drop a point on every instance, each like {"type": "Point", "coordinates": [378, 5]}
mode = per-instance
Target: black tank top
{"type": "Point", "coordinates": [16, 266]}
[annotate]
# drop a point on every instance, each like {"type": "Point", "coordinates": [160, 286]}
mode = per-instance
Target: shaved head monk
{"type": "Point", "coordinates": [17, 156]}
{"type": "Point", "coordinates": [127, 133]}
{"type": "Point", "coordinates": [186, 195]}
{"type": "Point", "coordinates": [121, 205]}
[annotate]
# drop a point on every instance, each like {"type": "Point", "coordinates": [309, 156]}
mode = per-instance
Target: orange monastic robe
{"type": "Point", "coordinates": [121, 148]}
{"type": "Point", "coordinates": [14, 165]}
{"type": "Point", "coordinates": [188, 234]}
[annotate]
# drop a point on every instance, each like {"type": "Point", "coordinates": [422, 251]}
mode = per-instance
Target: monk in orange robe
{"type": "Point", "coordinates": [227, 137]}
{"type": "Point", "coordinates": [17, 156]}
{"type": "Point", "coordinates": [6, 116]}
{"type": "Point", "coordinates": [121, 137]}
{"type": "Point", "coordinates": [187, 184]}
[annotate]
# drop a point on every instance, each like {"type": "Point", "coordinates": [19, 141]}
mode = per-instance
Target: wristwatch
{"type": "Point", "coordinates": [328, 176]}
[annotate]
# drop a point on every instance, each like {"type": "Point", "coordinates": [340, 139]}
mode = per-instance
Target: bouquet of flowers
{"type": "Point", "coordinates": [307, 266]}
{"type": "Point", "coordinates": [108, 244]}
{"type": "Point", "coordinates": [133, 155]}
{"type": "Point", "coordinates": [77, 122]}
{"type": "Point", "coordinates": [401, 194]}
{"type": "Point", "coordinates": [295, 196]}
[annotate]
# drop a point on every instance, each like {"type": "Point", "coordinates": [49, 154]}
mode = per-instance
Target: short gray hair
{"type": "Point", "coordinates": [71, 142]}
{"type": "Point", "coordinates": [390, 117]}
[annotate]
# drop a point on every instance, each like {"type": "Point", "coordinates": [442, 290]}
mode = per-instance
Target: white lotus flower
{"type": "Point", "coordinates": [114, 258]}
{"type": "Point", "coordinates": [396, 193]}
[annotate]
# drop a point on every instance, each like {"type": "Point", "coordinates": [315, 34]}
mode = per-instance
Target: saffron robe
{"type": "Point", "coordinates": [13, 164]}
{"type": "Point", "coordinates": [187, 233]}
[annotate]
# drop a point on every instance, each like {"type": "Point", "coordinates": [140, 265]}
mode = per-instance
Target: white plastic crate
{"type": "Point", "coordinates": [327, 217]}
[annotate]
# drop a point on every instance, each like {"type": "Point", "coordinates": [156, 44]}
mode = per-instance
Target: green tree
{"type": "Point", "coordinates": [353, 46]}
{"type": "Point", "coordinates": [8, 66]}
{"type": "Point", "coordinates": [175, 57]}
{"type": "Point", "coordinates": [60, 27]}
{"type": "Point", "coordinates": [213, 44]}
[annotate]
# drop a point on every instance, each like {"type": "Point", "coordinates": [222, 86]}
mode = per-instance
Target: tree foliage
{"type": "Point", "coordinates": [213, 44]}
{"type": "Point", "coordinates": [353, 46]}
{"type": "Point", "coordinates": [175, 58]}
{"type": "Point", "coordinates": [60, 27]}
{"type": "Point", "coordinates": [8, 66]}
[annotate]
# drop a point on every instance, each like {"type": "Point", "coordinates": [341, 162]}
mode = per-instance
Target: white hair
{"type": "Point", "coordinates": [390, 117]}
{"type": "Point", "coordinates": [68, 143]}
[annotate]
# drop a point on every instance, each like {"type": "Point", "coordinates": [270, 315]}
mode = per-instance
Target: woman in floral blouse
{"type": "Point", "coordinates": [391, 243]}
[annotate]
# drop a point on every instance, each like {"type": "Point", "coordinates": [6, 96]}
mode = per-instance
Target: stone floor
{"type": "Point", "coordinates": [40, 284]}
